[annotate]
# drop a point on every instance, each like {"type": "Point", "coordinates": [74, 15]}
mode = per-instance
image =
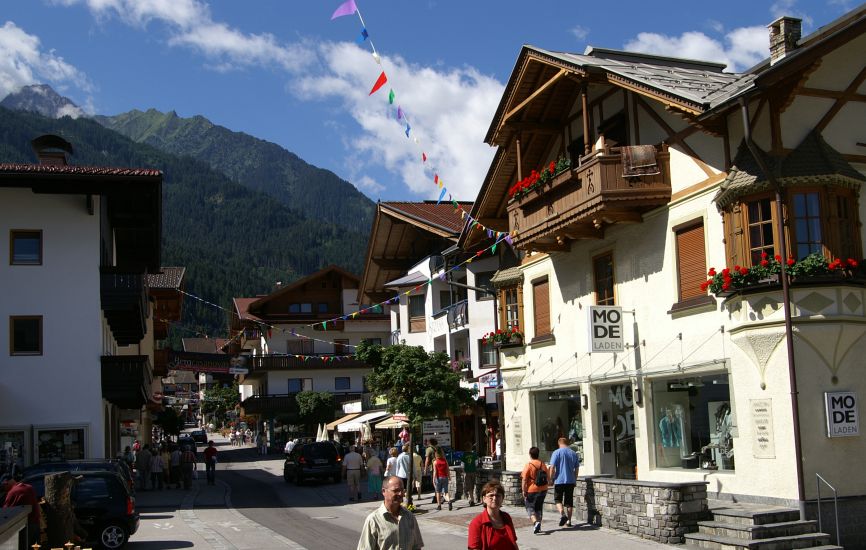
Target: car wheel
{"type": "Point", "coordinates": [113, 536]}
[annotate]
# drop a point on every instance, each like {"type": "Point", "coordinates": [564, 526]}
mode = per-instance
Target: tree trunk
{"type": "Point", "coordinates": [61, 516]}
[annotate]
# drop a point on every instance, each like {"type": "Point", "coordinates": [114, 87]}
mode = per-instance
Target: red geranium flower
{"type": "Point", "coordinates": [764, 263]}
{"type": "Point", "coordinates": [791, 262]}
{"type": "Point", "coordinates": [778, 258]}
{"type": "Point", "coordinates": [712, 272]}
{"type": "Point", "coordinates": [744, 271]}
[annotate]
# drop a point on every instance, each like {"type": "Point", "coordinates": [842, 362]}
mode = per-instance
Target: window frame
{"type": "Point", "coordinates": [611, 300]}
{"type": "Point", "coordinates": [484, 283]}
{"type": "Point", "coordinates": [40, 333]}
{"type": "Point", "coordinates": [540, 331]}
{"type": "Point", "coordinates": [417, 323]}
{"type": "Point", "coordinates": [487, 349]}
{"type": "Point", "coordinates": [19, 233]}
{"type": "Point", "coordinates": [348, 380]}
{"type": "Point", "coordinates": [506, 321]}
{"type": "Point", "coordinates": [697, 275]}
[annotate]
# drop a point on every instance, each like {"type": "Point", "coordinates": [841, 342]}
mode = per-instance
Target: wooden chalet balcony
{"type": "Point", "coordinates": [579, 202]}
{"type": "Point", "coordinates": [123, 296]}
{"type": "Point", "coordinates": [126, 380]}
{"type": "Point", "coordinates": [262, 363]}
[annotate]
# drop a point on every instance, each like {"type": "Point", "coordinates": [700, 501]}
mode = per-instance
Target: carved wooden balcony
{"type": "Point", "coordinates": [579, 202]}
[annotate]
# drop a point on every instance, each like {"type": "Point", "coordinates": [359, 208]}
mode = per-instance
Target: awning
{"type": "Point", "coordinates": [339, 421]}
{"type": "Point", "coordinates": [391, 423]}
{"type": "Point", "coordinates": [411, 279]}
{"type": "Point", "coordinates": [354, 425]}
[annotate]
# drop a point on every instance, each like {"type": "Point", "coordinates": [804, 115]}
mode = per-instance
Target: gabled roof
{"type": "Point", "coordinates": [258, 302]}
{"type": "Point", "coordinates": [436, 217]}
{"type": "Point", "coordinates": [242, 309]}
{"type": "Point", "coordinates": [168, 278]}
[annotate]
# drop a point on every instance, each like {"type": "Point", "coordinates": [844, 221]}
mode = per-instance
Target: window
{"type": "Point", "coordinates": [760, 230]}
{"type": "Point", "coordinates": [482, 280]}
{"type": "Point", "coordinates": [342, 383]}
{"type": "Point", "coordinates": [417, 322]}
{"type": "Point", "coordinates": [487, 353]}
{"type": "Point", "coordinates": [373, 341]}
{"type": "Point", "coordinates": [25, 247]}
{"type": "Point", "coordinates": [602, 269]}
{"type": "Point", "coordinates": [294, 308]}
{"type": "Point", "coordinates": [558, 414]}
{"type": "Point", "coordinates": [323, 307]}
{"type": "Point", "coordinates": [691, 260]}
{"type": "Point", "coordinates": [541, 307]}
{"type": "Point", "coordinates": [444, 299]}
{"type": "Point", "coordinates": [25, 335]}
{"type": "Point", "coordinates": [300, 347]}
{"type": "Point", "coordinates": [54, 445]}
{"type": "Point", "coordinates": [306, 308]}
{"type": "Point", "coordinates": [807, 224]}
{"type": "Point", "coordinates": [694, 423]}
{"type": "Point", "coordinates": [295, 385]}
{"type": "Point", "coordinates": [340, 346]}
{"type": "Point", "coordinates": [512, 307]}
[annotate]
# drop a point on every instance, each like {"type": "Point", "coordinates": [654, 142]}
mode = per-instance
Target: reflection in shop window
{"type": "Point", "coordinates": [12, 451]}
{"type": "Point", "coordinates": [694, 423]}
{"type": "Point", "coordinates": [558, 414]}
{"type": "Point", "coordinates": [59, 444]}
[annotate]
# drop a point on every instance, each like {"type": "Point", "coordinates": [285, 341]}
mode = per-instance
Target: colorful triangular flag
{"type": "Point", "coordinates": [407, 130]}
{"type": "Point", "coordinates": [362, 37]}
{"type": "Point", "coordinates": [346, 8]}
{"type": "Point", "coordinates": [441, 195]}
{"type": "Point", "coordinates": [399, 113]}
{"type": "Point", "coordinates": [423, 157]}
{"type": "Point", "coordinates": [391, 97]}
{"type": "Point", "coordinates": [379, 83]}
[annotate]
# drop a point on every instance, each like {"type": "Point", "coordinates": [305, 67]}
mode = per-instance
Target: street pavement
{"type": "Point", "coordinates": [225, 516]}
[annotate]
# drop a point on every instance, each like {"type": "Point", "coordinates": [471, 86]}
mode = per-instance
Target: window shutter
{"type": "Point", "coordinates": [541, 306]}
{"type": "Point", "coordinates": [691, 261]}
{"type": "Point", "coordinates": [733, 221]}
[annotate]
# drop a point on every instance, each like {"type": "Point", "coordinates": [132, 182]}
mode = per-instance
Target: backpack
{"type": "Point", "coordinates": [540, 477]}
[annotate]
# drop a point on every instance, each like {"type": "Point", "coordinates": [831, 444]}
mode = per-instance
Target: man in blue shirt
{"type": "Point", "coordinates": [564, 465]}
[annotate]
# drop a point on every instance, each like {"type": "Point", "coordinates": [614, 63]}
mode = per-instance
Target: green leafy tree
{"type": "Point", "coordinates": [315, 407]}
{"type": "Point", "coordinates": [416, 383]}
{"type": "Point", "coordinates": [170, 422]}
{"type": "Point", "coordinates": [218, 401]}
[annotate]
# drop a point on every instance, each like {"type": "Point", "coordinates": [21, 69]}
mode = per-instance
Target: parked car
{"type": "Point", "coordinates": [115, 465]}
{"type": "Point", "coordinates": [186, 441]}
{"type": "Point", "coordinates": [199, 436]}
{"type": "Point", "coordinates": [320, 460]}
{"type": "Point", "coordinates": [103, 504]}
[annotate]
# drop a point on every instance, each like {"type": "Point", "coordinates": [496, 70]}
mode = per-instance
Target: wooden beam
{"type": "Point", "coordinates": [672, 136]}
{"type": "Point", "coordinates": [620, 216]}
{"type": "Point", "coordinates": [537, 127]}
{"type": "Point", "coordinates": [849, 91]}
{"type": "Point", "coordinates": [829, 94]}
{"type": "Point", "coordinates": [535, 94]}
{"type": "Point", "coordinates": [583, 231]}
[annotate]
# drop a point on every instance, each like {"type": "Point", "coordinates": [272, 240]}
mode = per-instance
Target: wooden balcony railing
{"type": "Point", "coordinates": [579, 202]}
{"type": "Point", "coordinates": [285, 362]}
{"type": "Point", "coordinates": [123, 297]}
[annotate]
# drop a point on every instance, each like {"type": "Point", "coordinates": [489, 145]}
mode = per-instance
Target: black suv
{"type": "Point", "coordinates": [321, 460]}
{"type": "Point", "coordinates": [116, 465]}
{"type": "Point", "coordinates": [103, 505]}
{"type": "Point", "coordinates": [199, 436]}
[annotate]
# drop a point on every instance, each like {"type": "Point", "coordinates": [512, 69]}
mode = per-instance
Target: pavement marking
{"type": "Point", "coordinates": [163, 526]}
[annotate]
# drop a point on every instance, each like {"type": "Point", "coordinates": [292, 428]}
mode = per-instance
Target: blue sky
{"type": "Point", "coordinates": [283, 71]}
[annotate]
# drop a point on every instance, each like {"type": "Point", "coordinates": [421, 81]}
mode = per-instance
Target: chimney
{"type": "Point", "coordinates": [784, 34]}
{"type": "Point", "coordinates": [51, 150]}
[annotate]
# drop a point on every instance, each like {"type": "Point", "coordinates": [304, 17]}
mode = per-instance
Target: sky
{"type": "Point", "coordinates": [285, 72]}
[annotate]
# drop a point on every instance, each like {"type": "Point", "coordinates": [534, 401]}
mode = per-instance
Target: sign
{"type": "Point", "coordinates": [199, 362]}
{"type": "Point", "coordinates": [763, 438]}
{"type": "Point", "coordinates": [517, 430]}
{"type": "Point", "coordinates": [842, 417]}
{"type": "Point", "coordinates": [238, 370]}
{"type": "Point", "coordinates": [605, 329]}
{"type": "Point", "coordinates": [437, 429]}
{"type": "Point", "coordinates": [400, 417]}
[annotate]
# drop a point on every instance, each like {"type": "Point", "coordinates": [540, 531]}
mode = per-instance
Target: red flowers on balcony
{"type": "Point", "coordinates": [536, 179]}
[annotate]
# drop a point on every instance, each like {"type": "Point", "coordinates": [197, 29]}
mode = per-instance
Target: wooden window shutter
{"type": "Point", "coordinates": [691, 261]}
{"type": "Point", "coordinates": [541, 306]}
{"type": "Point", "coordinates": [734, 242]}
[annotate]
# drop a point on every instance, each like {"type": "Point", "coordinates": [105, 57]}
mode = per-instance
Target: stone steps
{"type": "Point", "coordinates": [756, 532]}
{"type": "Point", "coordinates": [717, 542]}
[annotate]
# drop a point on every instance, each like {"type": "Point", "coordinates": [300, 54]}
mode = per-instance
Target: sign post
{"type": "Point", "coordinates": [843, 420]}
{"type": "Point", "coordinates": [605, 329]}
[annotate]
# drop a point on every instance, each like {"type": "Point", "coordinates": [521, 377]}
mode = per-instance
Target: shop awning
{"type": "Point", "coordinates": [392, 423]}
{"type": "Point", "coordinates": [354, 425]}
{"type": "Point", "coordinates": [339, 421]}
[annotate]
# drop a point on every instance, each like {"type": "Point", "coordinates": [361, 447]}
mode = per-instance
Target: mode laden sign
{"type": "Point", "coordinates": [605, 329]}
{"type": "Point", "coordinates": [842, 417]}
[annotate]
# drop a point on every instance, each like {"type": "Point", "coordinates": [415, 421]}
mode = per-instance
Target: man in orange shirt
{"type": "Point", "coordinates": [535, 481]}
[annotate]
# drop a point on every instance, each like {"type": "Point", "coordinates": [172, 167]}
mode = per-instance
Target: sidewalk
{"type": "Point", "coordinates": [203, 517]}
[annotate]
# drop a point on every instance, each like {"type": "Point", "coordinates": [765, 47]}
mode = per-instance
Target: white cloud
{"type": "Point", "coordinates": [580, 32]}
{"type": "Point", "coordinates": [366, 183]}
{"type": "Point", "coordinates": [781, 8]}
{"type": "Point", "coordinates": [24, 62]}
{"type": "Point", "coordinates": [742, 47]}
{"type": "Point", "coordinates": [448, 110]}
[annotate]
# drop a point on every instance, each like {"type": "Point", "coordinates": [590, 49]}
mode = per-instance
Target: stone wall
{"type": "Point", "coordinates": [509, 480]}
{"type": "Point", "coordinates": [663, 512]}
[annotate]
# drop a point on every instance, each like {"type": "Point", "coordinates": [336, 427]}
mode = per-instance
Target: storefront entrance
{"type": "Point", "coordinates": [616, 413]}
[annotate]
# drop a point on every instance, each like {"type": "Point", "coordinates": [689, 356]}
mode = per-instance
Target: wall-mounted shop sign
{"type": "Point", "coordinates": [763, 439]}
{"type": "Point", "coordinates": [605, 329]}
{"type": "Point", "coordinates": [843, 419]}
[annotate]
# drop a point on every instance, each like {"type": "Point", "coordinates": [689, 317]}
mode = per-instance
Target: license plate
{"type": "Point", "coordinates": [320, 461]}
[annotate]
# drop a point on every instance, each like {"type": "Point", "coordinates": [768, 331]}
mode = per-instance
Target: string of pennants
{"type": "Point", "coordinates": [350, 7]}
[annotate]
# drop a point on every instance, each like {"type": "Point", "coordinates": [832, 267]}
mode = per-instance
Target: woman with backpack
{"type": "Point", "coordinates": [535, 480]}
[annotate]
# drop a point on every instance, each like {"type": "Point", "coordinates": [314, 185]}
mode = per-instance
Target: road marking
{"type": "Point", "coordinates": [323, 517]}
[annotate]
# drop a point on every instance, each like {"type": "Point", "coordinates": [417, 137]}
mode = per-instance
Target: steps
{"type": "Point", "coordinates": [738, 526]}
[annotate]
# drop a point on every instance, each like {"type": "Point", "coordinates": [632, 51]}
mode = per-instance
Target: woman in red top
{"type": "Point", "coordinates": [492, 529]}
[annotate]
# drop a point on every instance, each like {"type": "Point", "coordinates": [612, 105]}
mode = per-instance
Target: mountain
{"type": "Point", "coordinates": [234, 241]}
{"type": "Point", "coordinates": [253, 162]}
{"type": "Point", "coordinates": [41, 99]}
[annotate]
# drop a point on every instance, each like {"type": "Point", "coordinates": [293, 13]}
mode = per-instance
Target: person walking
{"type": "Point", "coordinates": [290, 445]}
{"type": "Point", "coordinates": [416, 473]}
{"type": "Point", "coordinates": [470, 477]}
{"type": "Point", "coordinates": [21, 494]}
{"type": "Point", "coordinates": [166, 464]}
{"type": "Point", "coordinates": [156, 468]}
{"type": "Point", "coordinates": [492, 529]}
{"type": "Point", "coordinates": [352, 464]}
{"type": "Point", "coordinates": [535, 482]}
{"type": "Point", "coordinates": [564, 466]}
{"type": "Point", "coordinates": [188, 466]}
{"type": "Point", "coordinates": [391, 463]}
{"type": "Point", "coordinates": [142, 464]}
{"type": "Point", "coordinates": [174, 466]}
{"type": "Point", "coordinates": [210, 461]}
{"type": "Point", "coordinates": [390, 526]}
{"type": "Point", "coordinates": [429, 459]}
{"type": "Point", "coordinates": [403, 466]}
{"type": "Point", "coordinates": [374, 476]}
{"type": "Point", "coordinates": [440, 480]}
{"type": "Point", "coordinates": [262, 443]}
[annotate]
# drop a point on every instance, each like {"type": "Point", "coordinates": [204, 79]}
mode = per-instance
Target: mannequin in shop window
{"type": "Point", "coordinates": [669, 427]}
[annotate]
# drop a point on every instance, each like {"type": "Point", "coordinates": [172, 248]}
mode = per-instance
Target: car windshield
{"type": "Point", "coordinates": [321, 451]}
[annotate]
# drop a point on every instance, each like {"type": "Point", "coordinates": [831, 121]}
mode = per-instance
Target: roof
{"type": "Point", "coordinates": [440, 215]}
{"type": "Point", "coordinates": [813, 162]}
{"type": "Point", "coordinates": [204, 345]}
{"type": "Point", "coordinates": [411, 279]}
{"type": "Point", "coordinates": [168, 277]}
{"type": "Point", "coordinates": [505, 277]}
{"type": "Point", "coordinates": [7, 168]}
{"type": "Point", "coordinates": [258, 302]}
{"type": "Point", "coordinates": [242, 308]}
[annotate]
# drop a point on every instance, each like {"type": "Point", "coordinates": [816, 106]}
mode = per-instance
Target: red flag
{"type": "Point", "coordinates": [379, 83]}
{"type": "Point", "coordinates": [424, 157]}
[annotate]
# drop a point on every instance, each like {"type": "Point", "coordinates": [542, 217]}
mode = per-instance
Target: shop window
{"type": "Point", "coordinates": [59, 444]}
{"type": "Point", "coordinates": [25, 247]}
{"type": "Point", "coordinates": [417, 322]}
{"type": "Point", "coordinates": [13, 451]}
{"type": "Point", "coordinates": [691, 260]}
{"type": "Point", "coordinates": [541, 307]}
{"type": "Point", "coordinates": [602, 269]}
{"type": "Point", "coordinates": [342, 383]}
{"type": "Point", "coordinates": [558, 414]}
{"type": "Point", "coordinates": [511, 311]}
{"type": "Point", "coordinates": [693, 423]}
{"type": "Point", "coordinates": [25, 335]}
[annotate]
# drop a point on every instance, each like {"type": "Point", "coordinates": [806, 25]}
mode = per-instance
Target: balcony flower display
{"type": "Point", "coordinates": [501, 337]}
{"type": "Point", "coordinates": [536, 179]}
{"type": "Point", "coordinates": [768, 269]}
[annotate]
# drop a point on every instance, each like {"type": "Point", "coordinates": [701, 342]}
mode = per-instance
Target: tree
{"type": "Point", "coordinates": [315, 407]}
{"type": "Point", "coordinates": [217, 401]}
{"type": "Point", "coordinates": [170, 422]}
{"type": "Point", "coordinates": [416, 383]}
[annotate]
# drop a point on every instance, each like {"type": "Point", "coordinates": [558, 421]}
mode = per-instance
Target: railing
{"type": "Point", "coordinates": [818, 480]}
{"type": "Point", "coordinates": [308, 361]}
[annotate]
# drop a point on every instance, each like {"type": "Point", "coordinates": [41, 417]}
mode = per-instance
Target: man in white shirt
{"type": "Point", "coordinates": [290, 444]}
{"type": "Point", "coordinates": [390, 526]}
{"type": "Point", "coordinates": [352, 464]}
